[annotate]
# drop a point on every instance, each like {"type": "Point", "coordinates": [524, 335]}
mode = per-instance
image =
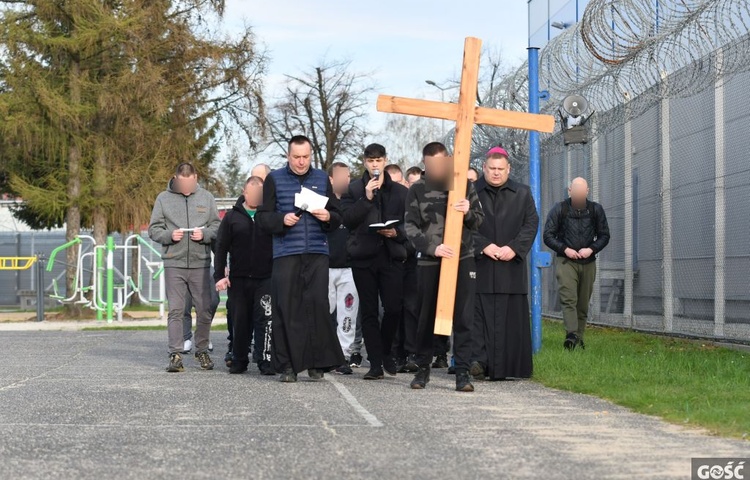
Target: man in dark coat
{"type": "Point", "coordinates": [304, 338]}
{"type": "Point", "coordinates": [249, 280]}
{"type": "Point", "coordinates": [377, 255]}
{"type": "Point", "coordinates": [502, 339]}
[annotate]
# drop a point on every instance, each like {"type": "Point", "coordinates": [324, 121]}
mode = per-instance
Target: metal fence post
{"type": "Point", "coordinates": [720, 202]}
{"type": "Point", "coordinates": [39, 287]}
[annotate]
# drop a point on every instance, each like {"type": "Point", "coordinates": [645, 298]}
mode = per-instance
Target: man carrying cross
{"type": "Point", "coordinates": [426, 208]}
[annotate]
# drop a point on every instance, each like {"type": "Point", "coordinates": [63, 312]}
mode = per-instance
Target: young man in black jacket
{"type": "Point", "coordinates": [377, 255]}
{"type": "Point", "coordinates": [342, 292]}
{"type": "Point", "coordinates": [427, 206]}
{"type": "Point", "coordinates": [249, 282]}
{"type": "Point", "coordinates": [576, 229]}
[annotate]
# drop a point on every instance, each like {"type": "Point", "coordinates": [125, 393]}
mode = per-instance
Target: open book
{"type": "Point", "coordinates": [374, 227]}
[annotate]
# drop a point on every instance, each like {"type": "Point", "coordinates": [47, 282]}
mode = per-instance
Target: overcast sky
{"type": "Point", "coordinates": [403, 43]}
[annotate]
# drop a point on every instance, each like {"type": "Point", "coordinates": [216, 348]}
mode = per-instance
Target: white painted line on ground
{"type": "Point", "coordinates": [369, 417]}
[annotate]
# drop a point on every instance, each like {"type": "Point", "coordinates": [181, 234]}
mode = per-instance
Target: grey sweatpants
{"type": "Point", "coordinates": [183, 284]}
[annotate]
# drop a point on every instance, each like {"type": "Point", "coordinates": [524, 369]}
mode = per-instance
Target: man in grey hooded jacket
{"type": "Point", "coordinates": [185, 222]}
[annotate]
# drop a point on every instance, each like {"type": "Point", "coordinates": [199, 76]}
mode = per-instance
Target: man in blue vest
{"type": "Point", "coordinates": [303, 338]}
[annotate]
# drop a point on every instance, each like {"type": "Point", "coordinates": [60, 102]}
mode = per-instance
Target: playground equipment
{"type": "Point", "coordinates": [95, 287]}
{"type": "Point", "coordinates": [25, 263]}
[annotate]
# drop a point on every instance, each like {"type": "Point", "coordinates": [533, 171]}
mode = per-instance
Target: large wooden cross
{"type": "Point", "coordinates": [466, 114]}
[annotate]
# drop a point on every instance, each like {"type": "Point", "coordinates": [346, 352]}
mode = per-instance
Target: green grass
{"type": "Point", "coordinates": [683, 381]}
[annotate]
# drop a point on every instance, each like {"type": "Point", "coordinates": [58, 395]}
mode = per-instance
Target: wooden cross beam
{"type": "Point", "coordinates": [466, 114]}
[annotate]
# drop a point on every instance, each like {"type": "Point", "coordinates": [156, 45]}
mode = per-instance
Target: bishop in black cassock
{"type": "Point", "coordinates": [502, 336]}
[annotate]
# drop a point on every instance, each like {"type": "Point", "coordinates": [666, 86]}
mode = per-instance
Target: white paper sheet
{"type": "Point", "coordinates": [314, 201]}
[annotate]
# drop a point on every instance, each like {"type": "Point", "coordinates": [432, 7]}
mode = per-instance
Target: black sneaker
{"type": "Point", "coordinates": [288, 376]}
{"type": "Point", "coordinates": [463, 382]}
{"type": "Point", "coordinates": [228, 358]}
{"type": "Point", "coordinates": [441, 361]}
{"type": "Point", "coordinates": [266, 368]}
{"type": "Point", "coordinates": [344, 369]}
{"type": "Point", "coordinates": [315, 374]}
{"type": "Point", "coordinates": [375, 373]}
{"type": "Point", "coordinates": [571, 340]}
{"type": "Point", "coordinates": [581, 344]}
{"type": "Point", "coordinates": [389, 365]}
{"type": "Point", "coordinates": [477, 371]}
{"type": "Point", "coordinates": [421, 379]}
{"type": "Point", "coordinates": [411, 364]}
{"type": "Point", "coordinates": [205, 361]}
{"type": "Point", "coordinates": [238, 368]}
{"type": "Point", "coordinates": [175, 363]}
{"type": "Point", "coordinates": [355, 361]}
{"type": "Point", "coordinates": [451, 370]}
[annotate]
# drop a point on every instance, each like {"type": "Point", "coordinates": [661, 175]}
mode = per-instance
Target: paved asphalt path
{"type": "Point", "coordinates": [100, 404]}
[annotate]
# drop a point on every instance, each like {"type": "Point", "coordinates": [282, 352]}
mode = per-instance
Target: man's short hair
{"type": "Point", "coordinates": [265, 167]}
{"type": "Point", "coordinates": [375, 150]}
{"type": "Point", "coordinates": [472, 169]}
{"type": "Point", "coordinates": [254, 180]}
{"type": "Point", "coordinates": [434, 148]}
{"type": "Point", "coordinates": [392, 168]}
{"type": "Point", "coordinates": [298, 140]}
{"type": "Point", "coordinates": [185, 169]}
{"type": "Point", "coordinates": [413, 171]}
{"type": "Point", "coordinates": [336, 165]}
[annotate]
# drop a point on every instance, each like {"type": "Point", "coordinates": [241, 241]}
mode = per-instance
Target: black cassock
{"type": "Point", "coordinates": [502, 336]}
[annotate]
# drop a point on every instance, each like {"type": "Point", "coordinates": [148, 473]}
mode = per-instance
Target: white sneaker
{"type": "Point", "coordinates": [210, 346]}
{"type": "Point", "coordinates": [187, 346]}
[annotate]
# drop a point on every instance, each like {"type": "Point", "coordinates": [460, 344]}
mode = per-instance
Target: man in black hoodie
{"type": "Point", "coordinates": [377, 255]}
{"type": "Point", "coordinates": [249, 282]}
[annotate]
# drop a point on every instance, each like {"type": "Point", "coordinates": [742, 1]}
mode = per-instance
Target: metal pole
{"type": "Point", "coordinates": [539, 259]}
{"type": "Point", "coordinates": [39, 288]}
{"type": "Point", "coordinates": [99, 280]}
{"type": "Point", "coordinates": [666, 213]}
{"type": "Point", "coordinates": [720, 202]}
{"type": "Point", "coordinates": [110, 277]}
{"type": "Point", "coordinates": [628, 218]}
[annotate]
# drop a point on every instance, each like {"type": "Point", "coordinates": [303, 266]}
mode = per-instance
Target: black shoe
{"type": "Point", "coordinates": [175, 363]}
{"type": "Point", "coordinates": [344, 369]}
{"type": "Point", "coordinates": [451, 370]}
{"type": "Point", "coordinates": [205, 361]}
{"type": "Point", "coordinates": [581, 344]}
{"type": "Point", "coordinates": [355, 361]}
{"type": "Point", "coordinates": [411, 364]}
{"type": "Point", "coordinates": [288, 376]}
{"type": "Point", "coordinates": [463, 382]}
{"type": "Point", "coordinates": [441, 361]}
{"type": "Point", "coordinates": [375, 373]}
{"type": "Point", "coordinates": [401, 364]}
{"type": "Point", "coordinates": [238, 368]}
{"type": "Point", "coordinates": [477, 371]}
{"type": "Point", "coordinates": [421, 379]}
{"type": "Point", "coordinates": [266, 368]}
{"type": "Point", "coordinates": [228, 358]}
{"type": "Point", "coordinates": [315, 374]}
{"type": "Point", "coordinates": [389, 365]}
{"type": "Point", "coordinates": [571, 340]}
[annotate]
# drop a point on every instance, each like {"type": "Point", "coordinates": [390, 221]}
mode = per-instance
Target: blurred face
{"type": "Point", "coordinates": [472, 176]}
{"type": "Point", "coordinates": [299, 157]}
{"type": "Point", "coordinates": [372, 164]}
{"type": "Point", "coordinates": [259, 171]}
{"type": "Point", "coordinates": [578, 191]}
{"type": "Point", "coordinates": [439, 168]}
{"type": "Point", "coordinates": [253, 193]}
{"type": "Point", "coordinates": [185, 185]}
{"type": "Point", "coordinates": [396, 176]}
{"type": "Point", "coordinates": [412, 179]}
{"type": "Point", "coordinates": [496, 171]}
{"type": "Point", "coordinates": [340, 178]}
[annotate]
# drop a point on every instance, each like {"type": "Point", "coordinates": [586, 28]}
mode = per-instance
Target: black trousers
{"type": "Point", "coordinates": [303, 335]}
{"type": "Point", "coordinates": [463, 314]}
{"type": "Point", "coordinates": [405, 342]}
{"type": "Point", "coordinates": [250, 300]}
{"type": "Point", "coordinates": [383, 279]}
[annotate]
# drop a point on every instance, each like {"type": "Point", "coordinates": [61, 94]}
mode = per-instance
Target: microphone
{"type": "Point", "coordinates": [300, 210]}
{"type": "Point", "coordinates": [376, 174]}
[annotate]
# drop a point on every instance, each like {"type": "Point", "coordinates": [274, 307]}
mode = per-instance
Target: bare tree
{"type": "Point", "coordinates": [406, 135]}
{"type": "Point", "coordinates": [327, 104]}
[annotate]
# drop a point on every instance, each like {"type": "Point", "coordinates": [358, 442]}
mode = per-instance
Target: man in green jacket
{"type": "Point", "coordinates": [185, 222]}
